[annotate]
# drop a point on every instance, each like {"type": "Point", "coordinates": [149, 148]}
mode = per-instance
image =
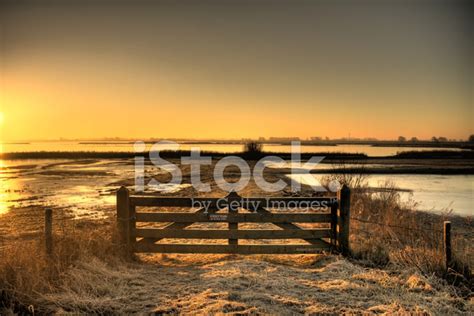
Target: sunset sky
{"type": "Point", "coordinates": [233, 69]}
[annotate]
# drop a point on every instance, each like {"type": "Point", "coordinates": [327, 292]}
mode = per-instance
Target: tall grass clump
{"type": "Point", "coordinates": [388, 230]}
{"type": "Point", "coordinates": [27, 274]}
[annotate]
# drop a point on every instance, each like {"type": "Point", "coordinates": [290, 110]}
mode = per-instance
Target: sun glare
{"type": "Point", "coordinates": [1, 118]}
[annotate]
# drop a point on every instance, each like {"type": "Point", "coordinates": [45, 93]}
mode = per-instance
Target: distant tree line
{"type": "Point", "coordinates": [433, 139]}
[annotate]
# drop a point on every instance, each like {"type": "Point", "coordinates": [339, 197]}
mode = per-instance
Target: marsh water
{"type": "Point", "coordinates": [86, 187]}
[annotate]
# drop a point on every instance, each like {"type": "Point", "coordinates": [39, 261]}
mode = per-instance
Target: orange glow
{"type": "Point", "coordinates": [45, 113]}
{"type": "Point", "coordinates": [282, 73]}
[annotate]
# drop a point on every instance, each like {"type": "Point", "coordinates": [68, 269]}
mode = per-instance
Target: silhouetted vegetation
{"type": "Point", "coordinates": [435, 154]}
{"type": "Point", "coordinates": [163, 154]}
{"type": "Point", "coordinates": [253, 150]}
{"type": "Point", "coordinates": [253, 147]}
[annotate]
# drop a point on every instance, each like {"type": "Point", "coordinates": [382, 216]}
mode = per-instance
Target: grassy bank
{"type": "Point", "coordinates": [387, 231]}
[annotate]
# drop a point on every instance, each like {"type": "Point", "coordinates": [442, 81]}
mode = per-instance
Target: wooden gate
{"type": "Point", "coordinates": [234, 210]}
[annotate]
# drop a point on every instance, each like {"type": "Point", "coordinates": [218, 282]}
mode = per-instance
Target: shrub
{"type": "Point", "coordinates": [253, 150]}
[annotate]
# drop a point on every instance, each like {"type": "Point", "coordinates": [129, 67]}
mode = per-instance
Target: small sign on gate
{"type": "Point", "coordinates": [218, 217]}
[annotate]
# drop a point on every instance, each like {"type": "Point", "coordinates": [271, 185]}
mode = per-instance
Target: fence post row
{"type": "Point", "coordinates": [127, 217]}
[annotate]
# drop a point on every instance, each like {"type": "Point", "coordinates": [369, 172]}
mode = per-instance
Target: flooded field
{"type": "Point", "coordinates": [87, 187]}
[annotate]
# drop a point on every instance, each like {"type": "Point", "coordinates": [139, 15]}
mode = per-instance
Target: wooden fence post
{"type": "Point", "coordinates": [232, 199]}
{"type": "Point", "coordinates": [132, 225]}
{"type": "Point", "coordinates": [123, 216]}
{"type": "Point", "coordinates": [334, 226]}
{"type": "Point", "coordinates": [447, 243]}
{"type": "Point", "coordinates": [344, 197]}
{"type": "Point", "coordinates": [48, 231]}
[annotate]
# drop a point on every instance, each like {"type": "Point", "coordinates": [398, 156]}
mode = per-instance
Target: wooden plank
{"type": "Point", "coordinates": [233, 249]}
{"type": "Point", "coordinates": [236, 218]}
{"type": "Point", "coordinates": [172, 201]}
{"type": "Point", "coordinates": [233, 234]}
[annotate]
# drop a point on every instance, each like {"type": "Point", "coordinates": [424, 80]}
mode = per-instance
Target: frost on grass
{"type": "Point", "coordinates": [246, 285]}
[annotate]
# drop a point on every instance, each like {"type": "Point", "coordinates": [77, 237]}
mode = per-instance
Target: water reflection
{"type": "Point", "coordinates": [3, 196]}
{"type": "Point", "coordinates": [437, 193]}
{"type": "Point", "coordinates": [60, 184]}
{"type": "Point", "coordinates": [9, 188]}
{"type": "Point", "coordinates": [86, 188]}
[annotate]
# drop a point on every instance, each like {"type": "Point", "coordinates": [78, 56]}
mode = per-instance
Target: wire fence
{"type": "Point", "coordinates": [410, 228]}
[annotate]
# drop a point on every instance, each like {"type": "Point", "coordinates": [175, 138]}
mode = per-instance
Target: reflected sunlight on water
{"type": "Point", "coordinates": [26, 183]}
{"type": "Point", "coordinates": [9, 190]}
{"type": "Point", "coordinates": [3, 207]}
